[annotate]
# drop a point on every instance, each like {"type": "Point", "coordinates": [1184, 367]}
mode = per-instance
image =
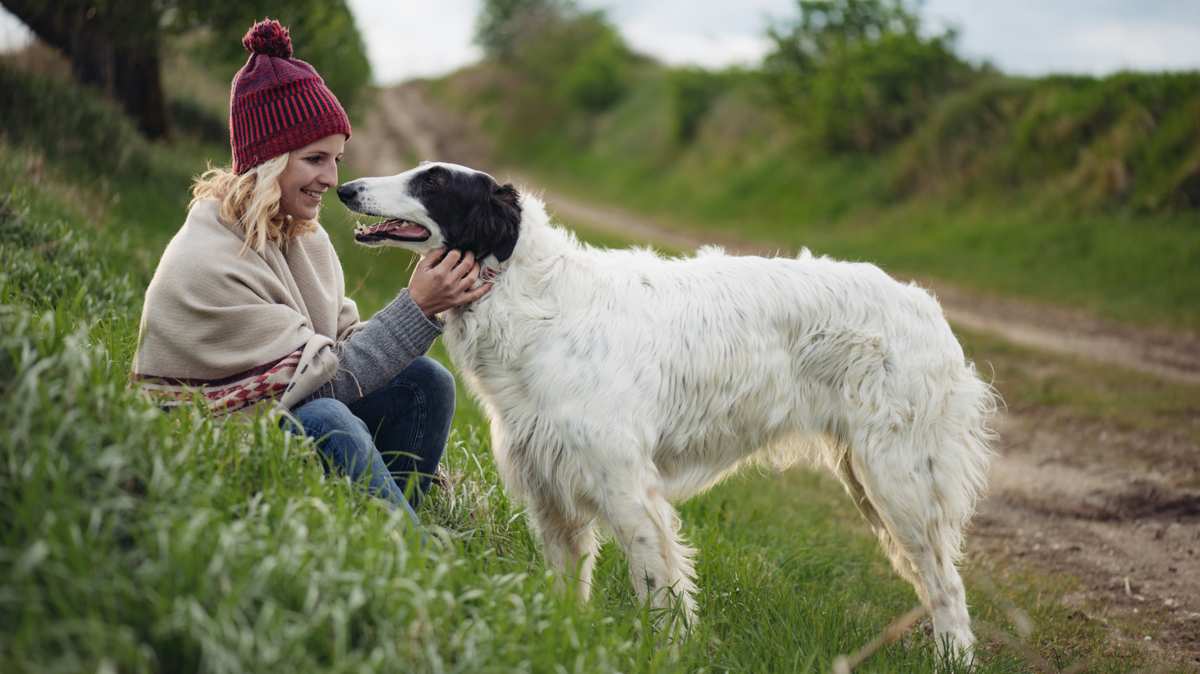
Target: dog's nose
{"type": "Point", "coordinates": [348, 191]}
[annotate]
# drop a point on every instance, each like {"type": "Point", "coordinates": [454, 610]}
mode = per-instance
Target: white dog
{"type": "Point", "coordinates": [618, 381]}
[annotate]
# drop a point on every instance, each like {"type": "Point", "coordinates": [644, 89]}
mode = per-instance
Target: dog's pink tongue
{"type": "Point", "coordinates": [397, 227]}
{"type": "Point", "coordinates": [403, 228]}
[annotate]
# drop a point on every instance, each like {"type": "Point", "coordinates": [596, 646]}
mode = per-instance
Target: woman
{"type": "Point", "coordinates": [248, 306]}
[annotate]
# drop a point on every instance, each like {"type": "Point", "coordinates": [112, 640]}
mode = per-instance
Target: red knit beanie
{"type": "Point", "coordinates": [278, 103]}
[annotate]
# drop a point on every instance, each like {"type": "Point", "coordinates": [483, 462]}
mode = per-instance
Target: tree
{"type": "Point", "coordinates": [577, 55]}
{"type": "Point", "coordinates": [502, 24]}
{"type": "Point", "coordinates": [827, 28]}
{"type": "Point", "coordinates": [860, 73]}
{"type": "Point", "coordinates": [111, 44]}
{"type": "Point", "coordinates": [324, 32]}
{"type": "Point", "coordinates": [115, 45]}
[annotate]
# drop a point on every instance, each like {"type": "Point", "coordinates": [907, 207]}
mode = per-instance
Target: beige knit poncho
{"type": "Point", "coordinates": [241, 328]}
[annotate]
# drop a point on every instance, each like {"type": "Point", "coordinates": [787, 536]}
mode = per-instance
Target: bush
{"type": "Point", "coordinates": [1123, 140]}
{"type": "Point", "coordinates": [597, 79]}
{"type": "Point", "coordinates": [554, 46]}
{"type": "Point", "coordinates": [859, 73]}
{"type": "Point", "coordinates": [67, 123]}
{"type": "Point", "coordinates": [874, 94]}
{"type": "Point", "coordinates": [692, 92]}
{"type": "Point", "coordinates": [503, 24]}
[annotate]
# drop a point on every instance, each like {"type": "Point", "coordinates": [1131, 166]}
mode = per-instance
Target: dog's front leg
{"type": "Point", "coordinates": [568, 543]}
{"type": "Point", "coordinates": [660, 564]}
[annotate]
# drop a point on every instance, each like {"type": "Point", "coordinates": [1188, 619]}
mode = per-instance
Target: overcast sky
{"type": "Point", "coordinates": [410, 39]}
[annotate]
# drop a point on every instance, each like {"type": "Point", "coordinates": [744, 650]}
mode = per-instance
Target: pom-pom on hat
{"type": "Point", "coordinates": [270, 38]}
{"type": "Point", "coordinates": [278, 103]}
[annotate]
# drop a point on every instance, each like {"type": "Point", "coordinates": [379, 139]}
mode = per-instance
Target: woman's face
{"type": "Point", "coordinates": [310, 171]}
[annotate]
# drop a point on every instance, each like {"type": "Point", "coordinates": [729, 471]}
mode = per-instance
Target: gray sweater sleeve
{"type": "Point", "coordinates": [376, 352]}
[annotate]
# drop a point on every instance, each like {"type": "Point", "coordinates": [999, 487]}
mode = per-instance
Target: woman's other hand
{"type": "Point", "coordinates": [444, 280]}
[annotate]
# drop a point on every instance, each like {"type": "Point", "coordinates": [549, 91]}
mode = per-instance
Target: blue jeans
{"type": "Point", "coordinates": [391, 440]}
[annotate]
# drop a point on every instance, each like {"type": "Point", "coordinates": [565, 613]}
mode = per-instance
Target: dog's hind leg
{"type": "Point", "coordinates": [660, 563]}
{"type": "Point", "coordinates": [568, 543]}
{"type": "Point", "coordinates": [918, 496]}
{"type": "Point", "coordinates": [896, 554]}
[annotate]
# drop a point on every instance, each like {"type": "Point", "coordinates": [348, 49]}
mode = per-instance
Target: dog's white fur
{"type": "Point", "coordinates": [618, 381]}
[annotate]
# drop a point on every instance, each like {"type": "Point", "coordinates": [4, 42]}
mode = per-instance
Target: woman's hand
{"type": "Point", "coordinates": [444, 280]}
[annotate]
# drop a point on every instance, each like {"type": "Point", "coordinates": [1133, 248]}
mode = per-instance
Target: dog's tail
{"type": "Point", "coordinates": [963, 435]}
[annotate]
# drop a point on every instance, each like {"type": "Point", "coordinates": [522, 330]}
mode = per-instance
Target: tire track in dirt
{"type": "Point", "coordinates": [1117, 509]}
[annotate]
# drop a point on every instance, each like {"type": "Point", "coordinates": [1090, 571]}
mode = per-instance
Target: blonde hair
{"type": "Point", "coordinates": [251, 200]}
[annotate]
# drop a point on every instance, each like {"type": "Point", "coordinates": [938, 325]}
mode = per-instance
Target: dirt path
{"type": "Point", "coordinates": [1115, 508]}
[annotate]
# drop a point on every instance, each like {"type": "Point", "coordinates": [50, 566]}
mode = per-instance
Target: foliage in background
{"type": "Point", "coordinates": [112, 45]}
{"type": "Point", "coordinates": [566, 58]}
{"type": "Point", "coordinates": [116, 45]}
{"type": "Point", "coordinates": [596, 80]}
{"type": "Point", "coordinates": [860, 74]}
{"type": "Point", "coordinates": [849, 82]}
{"type": "Point", "coordinates": [1131, 140]}
{"type": "Point", "coordinates": [693, 92]}
{"type": "Point", "coordinates": [323, 33]}
{"type": "Point", "coordinates": [502, 25]}
{"type": "Point", "coordinates": [61, 119]}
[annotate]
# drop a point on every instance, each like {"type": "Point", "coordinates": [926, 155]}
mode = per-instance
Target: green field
{"type": "Point", "coordinates": [136, 541]}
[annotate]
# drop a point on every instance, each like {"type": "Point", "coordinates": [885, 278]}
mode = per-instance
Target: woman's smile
{"type": "Point", "coordinates": [310, 172]}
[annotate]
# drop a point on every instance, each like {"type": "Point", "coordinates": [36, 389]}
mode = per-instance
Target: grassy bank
{"type": "Point", "coordinates": [136, 541]}
{"type": "Point", "coordinates": [1077, 191]}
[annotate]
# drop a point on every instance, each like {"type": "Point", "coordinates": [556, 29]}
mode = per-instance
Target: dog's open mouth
{"type": "Point", "coordinates": [393, 230]}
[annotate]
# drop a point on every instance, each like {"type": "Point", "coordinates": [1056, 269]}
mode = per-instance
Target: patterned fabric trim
{"type": "Point", "coordinates": [223, 396]}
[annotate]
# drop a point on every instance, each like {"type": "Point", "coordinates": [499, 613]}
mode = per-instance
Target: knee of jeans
{"type": "Point", "coordinates": [326, 415]}
{"type": "Point", "coordinates": [436, 380]}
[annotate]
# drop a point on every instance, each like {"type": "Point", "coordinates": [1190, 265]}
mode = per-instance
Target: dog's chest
{"type": "Point", "coordinates": [523, 363]}
{"type": "Point", "coordinates": [486, 348]}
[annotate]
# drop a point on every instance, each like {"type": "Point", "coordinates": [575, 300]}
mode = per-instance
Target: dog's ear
{"type": "Point", "coordinates": [492, 225]}
{"type": "Point", "coordinates": [508, 196]}
{"type": "Point", "coordinates": [506, 212]}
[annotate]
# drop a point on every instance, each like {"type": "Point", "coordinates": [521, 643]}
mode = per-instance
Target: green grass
{"type": "Point", "coordinates": [138, 541]}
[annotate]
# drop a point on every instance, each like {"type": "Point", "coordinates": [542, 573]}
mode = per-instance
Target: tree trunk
{"type": "Point", "coordinates": [113, 47]}
{"type": "Point", "coordinates": [138, 85]}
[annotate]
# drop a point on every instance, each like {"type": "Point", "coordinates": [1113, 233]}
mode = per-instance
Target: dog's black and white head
{"type": "Point", "coordinates": [437, 205]}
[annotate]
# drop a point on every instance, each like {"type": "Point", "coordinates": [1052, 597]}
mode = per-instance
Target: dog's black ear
{"type": "Point", "coordinates": [508, 195]}
{"type": "Point", "coordinates": [506, 210]}
{"type": "Point", "coordinates": [492, 224]}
